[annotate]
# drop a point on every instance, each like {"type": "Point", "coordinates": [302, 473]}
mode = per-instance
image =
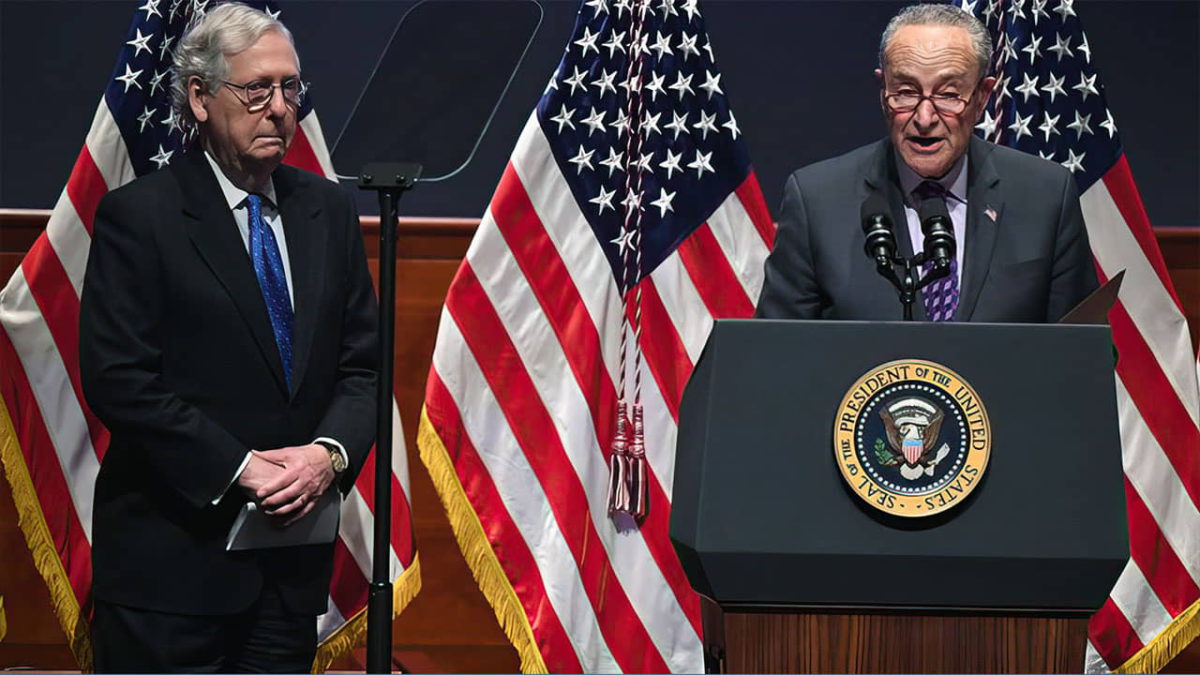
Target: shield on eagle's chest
{"type": "Point", "coordinates": [913, 449]}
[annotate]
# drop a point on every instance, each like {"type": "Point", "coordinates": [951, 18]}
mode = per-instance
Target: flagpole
{"type": "Point", "coordinates": [390, 181]}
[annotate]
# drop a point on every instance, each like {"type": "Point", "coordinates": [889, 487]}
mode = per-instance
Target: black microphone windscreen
{"type": "Point", "coordinates": [933, 207]}
{"type": "Point", "coordinates": [876, 206]}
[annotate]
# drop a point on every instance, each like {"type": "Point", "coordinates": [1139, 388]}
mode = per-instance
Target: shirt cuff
{"type": "Point", "coordinates": [236, 474]}
{"type": "Point", "coordinates": [340, 448]}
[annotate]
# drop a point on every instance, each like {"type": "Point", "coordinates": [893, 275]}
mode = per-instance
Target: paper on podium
{"type": "Point", "coordinates": [254, 529]}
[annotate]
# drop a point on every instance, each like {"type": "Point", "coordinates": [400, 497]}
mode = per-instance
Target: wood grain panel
{"type": "Point", "coordinates": [882, 643]}
{"type": "Point", "coordinates": [449, 627]}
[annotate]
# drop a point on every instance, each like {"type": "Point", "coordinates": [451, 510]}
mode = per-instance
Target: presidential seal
{"type": "Point", "coordinates": [912, 438]}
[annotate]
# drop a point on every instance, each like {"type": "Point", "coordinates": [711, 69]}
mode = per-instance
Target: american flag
{"type": "Point", "coordinates": [1049, 101]}
{"type": "Point", "coordinates": [50, 442]}
{"type": "Point", "coordinates": [627, 219]}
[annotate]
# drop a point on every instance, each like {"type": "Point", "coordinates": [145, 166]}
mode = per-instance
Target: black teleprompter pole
{"type": "Point", "coordinates": [390, 181]}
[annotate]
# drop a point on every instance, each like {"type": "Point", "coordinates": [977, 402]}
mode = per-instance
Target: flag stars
{"type": "Point", "coordinates": [141, 42]}
{"type": "Point", "coordinates": [1049, 125]}
{"type": "Point", "coordinates": [563, 118]}
{"type": "Point", "coordinates": [687, 46]}
{"type": "Point", "coordinates": [165, 47]}
{"type": "Point", "coordinates": [275, 14]}
{"type": "Point", "coordinates": [604, 200]}
{"type": "Point", "coordinates": [156, 80]}
{"type": "Point", "coordinates": [615, 161]}
{"type": "Point", "coordinates": [1085, 49]}
{"type": "Point", "coordinates": [1039, 11]}
{"type": "Point", "coordinates": [712, 84]}
{"type": "Point", "coordinates": [706, 124]}
{"type": "Point", "coordinates": [643, 163]}
{"type": "Point", "coordinates": [151, 9]}
{"type": "Point", "coordinates": [988, 125]}
{"type": "Point", "coordinates": [650, 124]}
{"type": "Point", "coordinates": [172, 121]}
{"type": "Point", "coordinates": [1074, 162]}
{"type": "Point", "coordinates": [576, 79]}
{"type": "Point", "coordinates": [144, 118]}
{"type": "Point", "coordinates": [671, 164]}
{"type": "Point", "coordinates": [683, 85]}
{"type": "Point", "coordinates": [163, 157]}
{"type": "Point", "coordinates": [662, 45]}
{"type": "Point", "coordinates": [678, 124]}
{"type": "Point", "coordinates": [582, 160]}
{"type": "Point", "coordinates": [605, 82]}
{"type": "Point", "coordinates": [1062, 46]}
{"type": "Point", "coordinates": [732, 126]}
{"type": "Point", "coordinates": [622, 124]}
{"type": "Point", "coordinates": [623, 240]}
{"type": "Point", "coordinates": [632, 202]}
{"type": "Point", "coordinates": [129, 79]}
{"type": "Point", "coordinates": [1109, 125]}
{"type": "Point", "coordinates": [1080, 125]}
{"type": "Point", "coordinates": [702, 163]}
{"type": "Point", "coordinates": [1020, 126]}
{"type": "Point", "coordinates": [655, 87]}
{"type": "Point", "coordinates": [1065, 9]}
{"type": "Point", "coordinates": [692, 7]}
{"type": "Point", "coordinates": [667, 7]}
{"type": "Point", "coordinates": [1049, 156]}
{"type": "Point", "coordinates": [1034, 48]}
{"type": "Point", "coordinates": [1086, 86]}
{"type": "Point", "coordinates": [616, 42]}
{"type": "Point", "coordinates": [594, 122]}
{"type": "Point", "coordinates": [588, 41]}
{"type": "Point", "coordinates": [664, 202]}
{"type": "Point", "coordinates": [1028, 87]}
{"type": "Point", "coordinates": [598, 7]}
{"type": "Point", "coordinates": [1055, 86]}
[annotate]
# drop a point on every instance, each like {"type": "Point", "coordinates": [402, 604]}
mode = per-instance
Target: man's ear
{"type": "Point", "coordinates": [197, 97]}
{"type": "Point", "coordinates": [879, 79]}
{"type": "Point", "coordinates": [986, 85]}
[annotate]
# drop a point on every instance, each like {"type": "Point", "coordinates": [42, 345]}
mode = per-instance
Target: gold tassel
{"type": "Point", "coordinates": [639, 491]}
{"type": "Point", "coordinates": [476, 548]}
{"type": "Point", "coordinates": [354, 632]}
{"type": "Point", "coordinates": [37, 536]}
{"type": "Point", "coordinates": [618, 466]}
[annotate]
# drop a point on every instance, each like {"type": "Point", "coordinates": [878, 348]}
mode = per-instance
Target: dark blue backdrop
{"type": "Point", "coordinates": [798, 73]}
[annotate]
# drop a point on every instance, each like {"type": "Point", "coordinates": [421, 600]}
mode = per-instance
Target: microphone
{"type": "Point", "coordinates": [940, 245]}
{"type": "Point", "coordinates": [877, 226]}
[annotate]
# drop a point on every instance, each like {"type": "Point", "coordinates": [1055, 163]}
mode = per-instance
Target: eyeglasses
{"type": "Point", "coordinates": [908, 101]}
{"type": "Point", "coordinates": [257, 96]}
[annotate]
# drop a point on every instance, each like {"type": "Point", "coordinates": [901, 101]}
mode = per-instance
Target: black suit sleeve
{"type": "Point", "coordinates": [1073, 274]}
{"type": "Point", "coordinates": [120, 356]}
{"type": "Point", "coordinates": [350, 417]}
{"type": "Point", "coordinates": [790, 289]}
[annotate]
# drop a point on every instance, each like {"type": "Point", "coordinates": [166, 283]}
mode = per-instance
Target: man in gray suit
{"type": "Point", "coordinates": [1022, 253]}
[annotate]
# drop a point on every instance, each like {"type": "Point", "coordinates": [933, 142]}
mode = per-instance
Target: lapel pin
{"type": "Point", "coordinates": [990, 213]}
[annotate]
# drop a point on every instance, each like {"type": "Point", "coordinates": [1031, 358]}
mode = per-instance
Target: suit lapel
{"type": "Point", "coordinates": [984, 210]}
{"type": "Point", "coordinates": [213, 231]}
{"type": "Point", "coordinates": [882, 176]}
{"type": "Point", "coordinates": [306, 239]}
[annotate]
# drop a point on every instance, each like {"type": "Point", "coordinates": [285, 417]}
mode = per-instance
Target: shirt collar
{"type": "Point", "coordinates": [955, 180]}
{"type": "Point", "coordinates": [234, 195]}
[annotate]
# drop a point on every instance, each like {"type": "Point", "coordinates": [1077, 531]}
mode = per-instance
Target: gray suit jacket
{"type": "Point", "coordinates": [1030, 264]}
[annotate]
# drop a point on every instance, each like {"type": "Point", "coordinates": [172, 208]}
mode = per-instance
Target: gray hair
{"type": "Point", "coordinates": [228, 29]}
{"type": "Point", "coordinates": [941, 15]}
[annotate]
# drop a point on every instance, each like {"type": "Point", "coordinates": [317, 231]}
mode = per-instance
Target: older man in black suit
{"type": "Point", "coordinates": [1022, 253]}
{"type": "Point", "coordinates": [228, 341]}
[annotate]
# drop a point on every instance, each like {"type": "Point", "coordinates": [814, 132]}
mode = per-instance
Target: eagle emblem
{"type": "Point", "coordinates": [912, 425]}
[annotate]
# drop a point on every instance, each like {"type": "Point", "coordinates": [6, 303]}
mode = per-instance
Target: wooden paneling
{"type": "Point", "coordinates": [881, 643]}
{"type": "Point", "coordinates": [449, 627]}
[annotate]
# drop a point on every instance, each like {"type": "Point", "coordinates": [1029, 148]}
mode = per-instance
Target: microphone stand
{"type": "Point", "coordinates": [390, 181]}
{"type": "Point", "coordinates": [906, 283]}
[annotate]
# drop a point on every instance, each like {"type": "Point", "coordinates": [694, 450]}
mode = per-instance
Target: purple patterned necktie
{"type": "Point", "coordinates": [941, 296]}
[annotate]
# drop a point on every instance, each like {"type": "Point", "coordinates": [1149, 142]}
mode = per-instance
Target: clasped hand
{"type": "Point", "coordinates": [287, 482]}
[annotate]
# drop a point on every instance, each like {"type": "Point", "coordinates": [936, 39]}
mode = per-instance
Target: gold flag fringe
{"type": "Point", "coordinates": [37, 536]}
{"type": "Point", "coordinates": [1165, 646]}
{"type": "Point", "coordinates": [3, 620]}
{"type": "Point", "coordinates": [476, 548]}
{"type": "Point", "coordinates": [354, 632]}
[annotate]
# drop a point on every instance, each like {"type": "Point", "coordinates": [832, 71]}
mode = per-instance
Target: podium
{"type": "Point", "coordinates": [800, 574]}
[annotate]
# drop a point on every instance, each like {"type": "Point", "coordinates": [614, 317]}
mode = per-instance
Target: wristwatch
{"type": "Point", "coordinates": [335, 456]}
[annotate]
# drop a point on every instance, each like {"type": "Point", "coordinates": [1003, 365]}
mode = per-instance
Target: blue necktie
{"type": "Point", "coordinates": [268, 267]}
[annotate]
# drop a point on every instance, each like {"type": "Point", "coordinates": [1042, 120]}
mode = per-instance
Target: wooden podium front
{"type": "Point", "coordinates": [831, 641]}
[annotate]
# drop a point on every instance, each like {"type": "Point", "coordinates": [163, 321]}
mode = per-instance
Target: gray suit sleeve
{"type": "Point", "coordinates": [1073, 274]}
{"type": "Point", "coordinates": [790, 289]}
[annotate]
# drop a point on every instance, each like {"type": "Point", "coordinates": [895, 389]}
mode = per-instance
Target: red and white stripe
{"type": "Point", "coordinates": [1158, 401]}
{"type": "Point", "coordinates": [61, 441]}
{"type": "Point", "coordinates": [522, 392]}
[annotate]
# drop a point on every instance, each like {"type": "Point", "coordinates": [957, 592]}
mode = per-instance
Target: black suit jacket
{"type": "Point", "coordinates": [1030, 264]}
{"type": "Point", "coordinates": [179, 361]}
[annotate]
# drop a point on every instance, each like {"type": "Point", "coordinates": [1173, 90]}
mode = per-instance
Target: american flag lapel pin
{"type": "Point", "coordinates": [990, 213]}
